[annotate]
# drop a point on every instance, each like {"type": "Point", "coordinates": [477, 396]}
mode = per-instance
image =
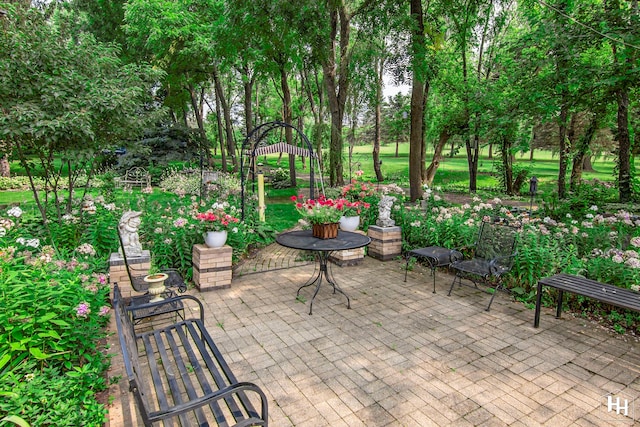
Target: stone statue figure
{"type": "Point", "coordinates": [128, 227]}
{"type": "Point", "coordinates": [384, 212]}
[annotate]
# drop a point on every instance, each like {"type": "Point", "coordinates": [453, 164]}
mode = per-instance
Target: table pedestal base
{"type": "Point", "coordinates": [323, 260]}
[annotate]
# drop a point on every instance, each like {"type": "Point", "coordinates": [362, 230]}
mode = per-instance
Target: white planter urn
{"type": "Point", "coordinates": [156, 285]}
{"type": "Point", "coordinates": [349, 223]}
{"type": "Point", "coordinates": [215, 239]}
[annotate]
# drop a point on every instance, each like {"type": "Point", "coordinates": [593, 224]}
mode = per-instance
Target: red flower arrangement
{"type": "Point", "coordinates": [326, 211]}
{"type": "Point", "coordinates": [216, 220]}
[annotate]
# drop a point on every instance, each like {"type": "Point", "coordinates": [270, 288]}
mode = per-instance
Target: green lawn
{"type": "Point", "coordinates": [452, 174]}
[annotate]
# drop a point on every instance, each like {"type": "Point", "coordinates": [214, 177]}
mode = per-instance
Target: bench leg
{"type": "Point", "coordinates": [559, 307]}
{"type": "Point", "coordinates": [536, 318]}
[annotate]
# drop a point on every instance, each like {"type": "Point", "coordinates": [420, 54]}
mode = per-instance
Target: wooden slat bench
{"type": "Point", "coordinates": [178, 375]}
{"type": "Point", "coordinates": [608, 294]}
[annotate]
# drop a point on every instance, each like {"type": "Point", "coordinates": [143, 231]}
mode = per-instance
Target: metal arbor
{"type": "Point", "coordinates": [255, 145]}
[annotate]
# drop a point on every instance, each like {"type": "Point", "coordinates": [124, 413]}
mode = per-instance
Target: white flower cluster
{"type": "Point", "coordinates": [15, 212]}
{"type": "Point", "coordinates": [33, 243]}
{"type": "Point", "coordinates": [86, 249]}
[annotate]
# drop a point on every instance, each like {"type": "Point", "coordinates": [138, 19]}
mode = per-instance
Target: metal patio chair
{"type": "Point", "coordinates": [140, 307]}
{"type": "Point", "coordinates": [493, 256]}
{"type": "Point", "coordinates": [136, 278]}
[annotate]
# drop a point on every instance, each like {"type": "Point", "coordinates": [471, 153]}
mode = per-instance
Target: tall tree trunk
{"type": "Point", "coordinates": [418, 45]}
{"type": "Point", "coordinates": [196, 104]}
{"type": "Point", "coordinates": [507, 164]}
{"type": "Point", "coordinates": [337, 86]}
{"type": "Point", "coordinates": [5, 169]}
{"type": "Point", "coordinates": [564, 148]}
{"type": "Point", "coordinates": [223, 152]}
{"type": "Point", "coordinates": [288, 118]}
{"type": "Point", "coordinates": [247, 87]}
{"type": "Point", "coordinates": [624, 58]}
{"type": "Point", "coordinates": [624, 146]}
{"type": "Point", "coordinates": [582, 147]}
{"type": "Point", "coordinates": [378, 119]}
{"type": "Point", "coordinates": [317, 113]}
{"type": "Point", "coordinates": [437, 156]}
{"type": "Point", "coordinates": [228, 124]}
{"type": "Point", "coordinates": [423, 148]}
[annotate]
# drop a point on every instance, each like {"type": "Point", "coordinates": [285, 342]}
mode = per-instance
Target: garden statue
{"type": "Point", "coordinates": [384, 212]}
{"type": "Point", "coordinates": [128, 228]}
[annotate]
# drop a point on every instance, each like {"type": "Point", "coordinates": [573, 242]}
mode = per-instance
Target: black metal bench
{"type": "Point", "coordinates": [177, 374]}
{"type": "Point", "coordinates": [608, 294]}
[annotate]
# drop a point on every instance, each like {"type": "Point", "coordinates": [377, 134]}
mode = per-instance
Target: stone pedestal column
{"type": "Point", "coordinates": [212, 267]}
{"type": "Point", "coordinates": [139, 266]}
{"type": "Point", "coordinates": [386, 242]}
{"type": "Point", "coordinates": [348, 257]}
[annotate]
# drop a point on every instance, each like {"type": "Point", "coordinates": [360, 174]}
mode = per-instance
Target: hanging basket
{"type": "Point", "coordinates": [325, 231]}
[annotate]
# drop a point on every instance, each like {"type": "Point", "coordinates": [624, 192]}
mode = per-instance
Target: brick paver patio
{"type": "Point", "coordinates": [403, 356]}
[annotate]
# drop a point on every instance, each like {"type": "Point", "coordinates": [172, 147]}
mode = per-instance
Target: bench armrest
{"type": "Point", "coordinates": [218, 395]}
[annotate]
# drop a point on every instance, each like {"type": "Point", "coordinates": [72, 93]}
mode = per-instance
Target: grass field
{"type": "Point", "coordinates": [452, 174]}
{"type": "Point", "coordinates": [453, 171]}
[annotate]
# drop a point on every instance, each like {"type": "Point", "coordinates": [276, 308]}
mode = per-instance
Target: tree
{"type": "Point", "coordinates": [419, 86]}
{"type": "Point", "coordinates": [622, 20]}
{"type": "Point", "coordinates": [48, 115]}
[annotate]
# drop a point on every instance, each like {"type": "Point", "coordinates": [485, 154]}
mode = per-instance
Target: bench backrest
{"type": "Point", "coordinates": [137, 174]}
{"type": "Point", "coordinates": [127, 336]}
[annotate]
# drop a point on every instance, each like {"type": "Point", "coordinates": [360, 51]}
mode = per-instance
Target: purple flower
{"type": "Point", "coordinates": [104, 310]}
{"type": "Point", "coordinates": [83, 310]}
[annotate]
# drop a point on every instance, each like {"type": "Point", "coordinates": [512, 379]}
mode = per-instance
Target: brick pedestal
{"type": "Point", "coordinates": [118, 271]}
{"type": "Point", "coordinates": [386, 242]}
{"type": "Point", "coordinates": [348, 257]}
{"type": "Point", "coordinates": [212, 267]}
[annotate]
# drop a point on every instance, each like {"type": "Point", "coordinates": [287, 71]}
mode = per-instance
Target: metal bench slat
{"type": "Point", "coordinates": [603, 292]}
{"type": "Point", "coordinates": [184, 374]}
{"type": "Point", "coordinates": [244, 400]}
{"type": "Point", "coordinates": [161, 396]}
{"type": "Point", "coordinates": [170, 351]}
{"type": "Point", "coordinates": [221, 380]}
{"type": "Point", "coordinates": [606, 293]}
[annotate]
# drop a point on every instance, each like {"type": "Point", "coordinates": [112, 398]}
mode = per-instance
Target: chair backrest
{"type": "Point", "coordinates": [496, 240]}
{"type": "Point", "coordinates": [135, 281]}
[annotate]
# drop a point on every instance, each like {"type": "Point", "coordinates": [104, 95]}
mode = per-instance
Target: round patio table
{"type": "Point", "coordinates": [304, 240]}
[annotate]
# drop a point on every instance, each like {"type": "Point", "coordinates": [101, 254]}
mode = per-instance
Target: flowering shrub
{"type": "Point", "coordinates": [180, 183]}
{"type": "Point", "coordinates": [601, 247]}
{"type": "Point", "coordinates": [52, 322]}
{"type": "Point", "coordinates": [357, 190]}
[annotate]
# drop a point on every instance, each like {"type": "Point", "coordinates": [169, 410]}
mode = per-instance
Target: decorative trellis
{"type": "Point", "coordinates": [256, 144]}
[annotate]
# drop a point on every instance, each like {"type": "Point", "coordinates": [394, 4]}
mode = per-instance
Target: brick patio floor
{"type": "Point", "coordinates": [403, 356]}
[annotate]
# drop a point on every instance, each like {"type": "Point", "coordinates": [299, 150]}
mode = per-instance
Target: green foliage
{"type": "Point", "coordinates": [60, 114]}
{"type": "Point", "coordinates": [18, 183]}
{"type": "Point", "coordinates": [181, 183]}
{"type": "Point", "coordinates": [280, 178]}
{"type": "Point", "coordinates": [53, 318]}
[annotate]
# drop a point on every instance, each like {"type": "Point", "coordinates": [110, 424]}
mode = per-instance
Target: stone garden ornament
{"type": "Point", "coordinates": [384, 212]}
{"type": "Point", "coordinates": [128, 227]}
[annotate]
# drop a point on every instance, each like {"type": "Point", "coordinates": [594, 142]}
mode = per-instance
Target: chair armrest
{"type": "Point", "coordinates": [494, 264]}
